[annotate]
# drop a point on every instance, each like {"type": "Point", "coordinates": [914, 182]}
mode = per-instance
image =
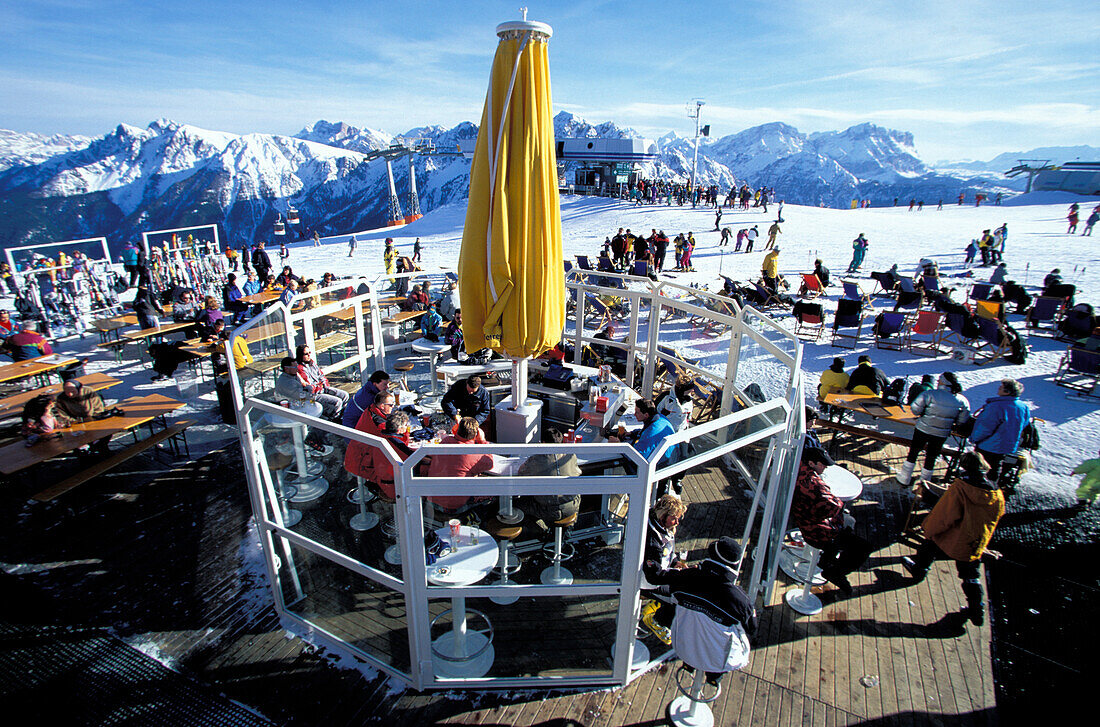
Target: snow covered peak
{"type": "Point", "coordinates": [345, 136]}
{"type": "Point", "coordinates": [19, 149]}
{"type": "Point", "coordinates": [871, 152]}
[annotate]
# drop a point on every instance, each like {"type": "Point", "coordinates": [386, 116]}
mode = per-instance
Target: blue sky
{"type": "Point", "coordinates": [969, 78]}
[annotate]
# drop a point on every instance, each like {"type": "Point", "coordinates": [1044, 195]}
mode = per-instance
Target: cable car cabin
{"type": "Point", "coordinates": [280, 227]}
{"type": "Point", "coordinates": [292, 216]}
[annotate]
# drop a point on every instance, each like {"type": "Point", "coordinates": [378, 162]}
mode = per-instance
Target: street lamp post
{"type": "Point", "coordinates": [694, 109]}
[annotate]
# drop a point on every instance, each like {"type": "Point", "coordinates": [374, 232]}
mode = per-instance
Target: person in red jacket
{"type": "Point", "coordinates": [373, 420]}
{"type": "Point", "coordinates": [370, 462]}
{"type": "Point", "coordinates": [459, 465]}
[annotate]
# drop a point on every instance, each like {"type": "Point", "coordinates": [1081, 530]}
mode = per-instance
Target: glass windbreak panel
{"type": "Point", "coordinates": [760, 375]}
{"type": "Point", "coordinates": [357, 610]}
{"type": "Point", "coordinates": [545, 538]}
{"type": "Point", "coordinates": [266, 344]}
{"type": "Point", "coordinates": [783, 341]}
{"type": "Point", "coordinates": [704, 443]}
{"type": "Point", "coordinates": [533, 637]}
{"type": "Point", "coordinates": [329, 504]}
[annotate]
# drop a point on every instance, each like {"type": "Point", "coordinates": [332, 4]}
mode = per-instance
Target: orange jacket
{"type": "Point", "coordinates": [963, 520]}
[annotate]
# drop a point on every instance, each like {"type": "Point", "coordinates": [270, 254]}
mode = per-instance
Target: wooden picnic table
{"type": "Point", "coordinates": [873, 406]}
{"type": "Point", "coordinates": [34, 366]}
{"type": "Point", "coordinates": [403, 317]}
{"type": "Point", "coordinates": [13, 405]}
{"type": "Point", "coordinates": [262, 298]}
{"type": "Point", "coordinates": [137, 411]}
{"type": "Point", "coordinates": [146, 333]}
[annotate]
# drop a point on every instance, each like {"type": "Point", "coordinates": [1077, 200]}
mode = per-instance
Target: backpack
{"type": "Point", "coordinates": [1029, 438]}
{"type": "Point", "coordinates": [894, 391]}
{"type": "Point", "coordinates": [1019, 349]}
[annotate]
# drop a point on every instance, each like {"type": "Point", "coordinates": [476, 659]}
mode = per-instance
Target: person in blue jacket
{"type": "Point", "coordinates": [655, 430]}
{"type": "Point", "coordinates": [1000, 424]}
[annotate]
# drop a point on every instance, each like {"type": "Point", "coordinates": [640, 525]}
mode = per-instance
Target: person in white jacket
{"type": "Point", "coordinates": [939, 410]}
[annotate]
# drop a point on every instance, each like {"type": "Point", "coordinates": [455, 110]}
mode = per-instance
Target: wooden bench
{"type": "Point", "coordinates": [332, 340]}
{"type": "Point", "coordinates": [113, 461]}
{"type": "Point", "coordinates": [116, 346]}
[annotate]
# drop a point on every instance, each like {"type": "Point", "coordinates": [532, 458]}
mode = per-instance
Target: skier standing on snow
{"type": "Point", "coordinates": [750, 238]}
{"type": "Point", "coordinates": [772, 232]}
{"type": "Point", "coordinates": [1090, 222]}
{"type": "Point", "coordinates": [859, 251]}
{"type": "Point", "coordinates": [284, 253]}
{"type": "Point", "coordinates": [1072, 217]}
{"type": "Point", "coordinates": [351, 245]}
{"type": "Point", "coordinates": [416, 251]}
{"type": "Point", "coordinates": [718, 219]}
{"type": "Point", "coordinates": [316, 239]}
{"type": "Point", "coordinates": [725, 237]}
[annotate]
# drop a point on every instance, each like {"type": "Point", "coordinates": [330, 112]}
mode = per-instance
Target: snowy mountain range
{"type": "Point", "coordinates": [170, 175]}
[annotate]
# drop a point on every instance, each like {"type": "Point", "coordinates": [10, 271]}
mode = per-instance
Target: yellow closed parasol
{"type": "Point", "coordinates": [511, 280]}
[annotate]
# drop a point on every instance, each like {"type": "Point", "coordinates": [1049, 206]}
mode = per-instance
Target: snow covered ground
{"type": "Point", "coordinates": [1037, 243]}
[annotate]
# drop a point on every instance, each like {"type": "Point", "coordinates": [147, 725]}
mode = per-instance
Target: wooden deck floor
{"type": "Point", "coordinates": [158, 558]}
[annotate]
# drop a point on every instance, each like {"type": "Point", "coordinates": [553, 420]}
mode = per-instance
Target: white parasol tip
{"type": "Point", "coordinates": [541, 31]}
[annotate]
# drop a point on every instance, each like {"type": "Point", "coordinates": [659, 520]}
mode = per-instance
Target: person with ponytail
{"type": "Point", "coordinates": [938, 410]}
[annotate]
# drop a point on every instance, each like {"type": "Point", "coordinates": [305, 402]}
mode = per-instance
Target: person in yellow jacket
{"type": "Point", "coordinates": [770, 270]}
{"type": "Point", "coordinates": [960, 527]}
{"type": "Point", "coordinates": [241, 355]}
{"type": "Point", "coordinates": [389, 258]}
{"type": "Point", "coordinates": [833, 380]}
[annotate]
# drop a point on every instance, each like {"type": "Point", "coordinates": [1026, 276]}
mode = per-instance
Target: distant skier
{"type": "Point", "coordinates": [351, 246]}
{"type": "Point", "coordinates": [389, 259]}
{"type": "Point", "coordinates": [1072, 217]}
{"type": "Point", "coordinates": [750, 238]}
{"type": "Point", "coordinates": [1090, 221]}
{"type": "Point", "coordinates": [284, 253]}
{"type": "Point", "coordinates": [741, 235]}
{"type": "Point", "coordinates": [859, 251]}
{"type": "Point", "coordinates": [316, 239]}
{"type": "Point", "coordinates": [773, 231]}
{"type": "Point", "coordinates": [416, 251]}
{"type": "Point", "coordinates": [725, 237]}
{"type": "Point", "coordinates": [779, 214]}
{"type": "Point", "coordinates": [718, 219]}
{"type": "Point", "coordinates": [962, 196]}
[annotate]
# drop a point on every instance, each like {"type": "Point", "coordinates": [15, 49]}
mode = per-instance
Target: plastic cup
{"type": "Point", "coordinates": [454, 526]}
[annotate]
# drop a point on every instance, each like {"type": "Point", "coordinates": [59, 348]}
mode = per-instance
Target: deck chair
{"type": "Point", "coordinates": [1077, 323]}
{"type": "Point", "coordinates": [811, 286]}
{"type": "Point", "coordinates": [640, 268]}
{"type": "Point", "coordinates": [582, 262]}
{"type": "Point", "coordinates": [888, 331]}
{"type": "Point", "coordinates": [991, 309]}
{"type": "Point", "coordinates": [909, 302]}
{"type": "Point", "coordinates": [707, 398]}
{"type": "Point", "coordinates": [886, 284]}
{"type": "Point", "coordinates": [954, 331]}
{"type": "Point", "coordinates": [810, 318]}
{"type": "Point", "coordinates": [605, 265]}
{"type": "Point", "coordinates": [849, 316]}
{"type": "Point", "coordinates": [852, 291]}
{"type": "Point", "coordinates": [768, 298]}
{"type": "Point", "coordinates": [994, 342]}
{"type": "Point", "coordinates": [568, 265]}
{"type": "Point", "coordinates": [1046, 310]}
{"type": "Point", "coordinates": [1080, 370]}
{"type": "Point", "coordinates": [597, 312]}
{"type": "Point", "coordinates": [930, 284]}
{"type": "Point", "coordinates": [923, 336]}
{"type": "Point", "coordinates": [980, 291]}
{"type": "Point", "coordinates": [1065, 291]}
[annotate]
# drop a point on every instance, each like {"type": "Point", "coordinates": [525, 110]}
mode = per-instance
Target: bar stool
{"type": "Point", "coordinates": [554, 574]}
{"type": "Point", "coordinates": [803, 599]}
{"type": "Point", "coordinates": [389, 532]}
{"type": "Point", "coordinates": [277, 462]}
{"type": "Point", "coordinates": [692, 707]}
{"type": "Point", "coordinates": [504, 533]}
{"type": "Point", "coordinates": [363, 520]}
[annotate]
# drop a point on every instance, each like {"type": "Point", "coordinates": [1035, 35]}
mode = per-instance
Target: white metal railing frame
{"type": "Point", "coordinates": [411, 489]}
{"type": "Point", "coordinates": [366, 350]}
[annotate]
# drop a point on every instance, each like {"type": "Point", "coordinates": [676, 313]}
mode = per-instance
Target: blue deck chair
{"type": "Point", "coordinates": [605, 265]}
{"type": "Point", "coordinates": [568, 265]}
{"type": "Point", "coordinates": [849, 316]}
{"type": "Point", "coordinates": [888, 332]}
{"type": "Point", "coordinates": [980, 291]}
{"type": "Point", "coordinates": [641, 268]}
{"type": "Point", "coordinates": [908, 302]}
{"type": "Point", "coordinates": [886, 284]}
{"type": "Point", "coordinates": [582, 262]}
{"type": "Point", "coordinates": [994, 342]}
{"type": "Point", "coordinates": [954, 332]}
{"type": "Point", "coordinates": [1080, 370]}
{"type": "Point", "coordinates": [1046, 310]}
{"type": "Point", "coordinates": [852, 291]}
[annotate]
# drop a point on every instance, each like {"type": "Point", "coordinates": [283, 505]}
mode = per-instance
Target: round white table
{"type": "Point", "coordinates": [308, 480]}
{"type": "Point", "coordinates": [844, 485]}
{"type": "Point", "coordinates": [459, 653]}
{"type": "Point", "coordinates": [433, 349]}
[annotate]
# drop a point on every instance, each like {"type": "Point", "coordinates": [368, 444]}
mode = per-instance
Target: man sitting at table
{"type": "Point", "coordinates": [28, 343]}
{"type": "Point", "coordinates": [370, 462]}
{"type": "Point", "coordinates": [548, 509]}
{"type": "Point", "coordinates": [867, 379]}
{"type": "Point", "coordinates": [655, 430]}
{"type": "Point", "coordinates": [820, 515]}
{"type": "Point", "coordinates": [75, 403]}
{"type": "Point", "coordinates": [460, 465]}
{"type": "Point", "coordinates": [378, 382]}
{"type": "Point", "coordinates": [467, 398]}
{"type": "Point", "coordinates": [373, 420]}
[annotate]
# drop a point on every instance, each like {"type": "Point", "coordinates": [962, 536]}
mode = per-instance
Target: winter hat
{"type": "Point", "coordinates": [725, 551]}
{"type": "Point", "coordinates": [864, 359]}
{"type": "Point", "coordinates": [816, 454]}
{"type": "Point", "coordinates": [952, 382]}
{"type": "Point", "coordinates": [838, 365]}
